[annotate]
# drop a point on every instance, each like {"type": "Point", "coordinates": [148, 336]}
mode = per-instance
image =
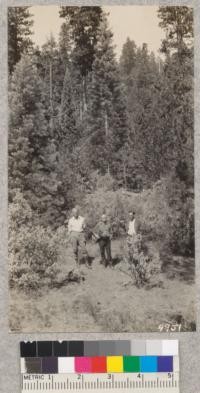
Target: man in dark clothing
{"type": "Point", "coordinates": [104, 235]}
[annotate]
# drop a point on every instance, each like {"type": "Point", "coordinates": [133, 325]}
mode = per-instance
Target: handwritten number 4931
{"type": "Point", "coordinates": [169, 327]}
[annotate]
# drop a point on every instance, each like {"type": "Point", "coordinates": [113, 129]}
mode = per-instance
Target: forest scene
{"type": "Point", "coordinates": [110, 135]}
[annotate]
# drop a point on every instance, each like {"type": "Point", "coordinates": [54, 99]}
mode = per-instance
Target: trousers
{"type": "Point", "coordinates": [78, 243]}
{"type": "Point", "coordinates": [105, 250]}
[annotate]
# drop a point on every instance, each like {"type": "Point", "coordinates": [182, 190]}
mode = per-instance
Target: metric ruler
{"type": "Point", "coordinates": [150, 366]}
{"type": "Point", "coordinates": [101, 383]}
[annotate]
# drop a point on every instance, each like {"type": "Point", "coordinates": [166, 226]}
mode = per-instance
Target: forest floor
{"type": "Point", "coordinates": [107, 300]}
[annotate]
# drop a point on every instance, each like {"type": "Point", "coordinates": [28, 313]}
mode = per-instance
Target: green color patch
{"type": "Point", "coordinates": [131, 364]}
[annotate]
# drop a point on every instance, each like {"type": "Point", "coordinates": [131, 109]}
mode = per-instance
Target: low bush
{"type": "Point", "coordinates": [144, 266]}
{"type": "Point", "coordinates": [33, 256]}
{"type": "Point", "coordinates": [109, 202]}
{"type": "Point", "coordinates": [34, 251]}
{"type": "Point", "coordinates": [180, 236]}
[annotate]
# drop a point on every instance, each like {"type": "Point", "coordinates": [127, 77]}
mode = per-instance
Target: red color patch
{"type": "Point", "coordinates": [99, 364]}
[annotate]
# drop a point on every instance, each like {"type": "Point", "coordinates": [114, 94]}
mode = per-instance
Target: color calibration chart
{"type": "Point", "coordinates": [144, 366]}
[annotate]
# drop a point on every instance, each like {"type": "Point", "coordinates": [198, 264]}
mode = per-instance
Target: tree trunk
{"type": "Point", "coordinates": [124, 173]}
{"type": "Point", "coordinates": [81, 110]}
{"type": "Point", "coordinates": [51, 96]}
{"type": "Point", "coordinates": [84, 94]}
{"type": "Point", "coordinates": [107, 135]}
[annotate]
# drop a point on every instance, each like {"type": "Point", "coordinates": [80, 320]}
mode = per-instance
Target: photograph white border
{"type": "Point", "coordinates": [9, 343]}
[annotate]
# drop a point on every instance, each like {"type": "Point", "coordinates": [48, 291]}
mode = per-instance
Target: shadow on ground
{"type": "Point", "coordinates": [180, 268]}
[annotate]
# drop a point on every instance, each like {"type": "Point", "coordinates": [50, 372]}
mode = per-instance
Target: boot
{"type": "Point", "coordinates": [87, 264]}
{"type": "Point", "coordinates": [110, 264]}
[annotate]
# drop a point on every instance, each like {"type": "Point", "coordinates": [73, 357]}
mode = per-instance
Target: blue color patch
{"type": "Point", "coordinates": [148, 364]}
{"type": "Point", "coordinates": [165, 364]}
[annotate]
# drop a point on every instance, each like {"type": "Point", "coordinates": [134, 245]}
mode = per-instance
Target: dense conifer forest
{"type": "Point", "coordinates": [107, 134]}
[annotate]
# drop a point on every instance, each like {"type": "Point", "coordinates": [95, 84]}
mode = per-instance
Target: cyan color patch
{"type": "Point", "coordinates": [148, 364]}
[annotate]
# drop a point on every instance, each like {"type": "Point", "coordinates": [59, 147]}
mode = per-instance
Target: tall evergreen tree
{"type": "Point", "coordinates": [178, 91]}
{"type": "Point", "coordinates": [32, 152]}
{"type": "Point", "coordinates": [53, 76]}
{"type": "Point", "coordinates": [107, 108]}
{"type": "Point", "coordinates": [128, 58]}
{"type": "Point", "coordinates": [84, 23]}
{"type": "Point", "coordinates": [51, 61]}
{"type": "Point", "coordinates": [68, 115]}
{"type": "Point", "coordinates": [65, 43]}
{"type": "Point", "coordinates": [19, 34]}
{"type": "Point", "coordinates": [27, 124]}
{"type": "Point", "coordinates": [142, 90]}
{"type": "Point", "coordinates": [177, 22]}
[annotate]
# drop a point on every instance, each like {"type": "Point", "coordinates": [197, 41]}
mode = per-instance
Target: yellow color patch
{"type": "Point", "coordinates": [115, 364]}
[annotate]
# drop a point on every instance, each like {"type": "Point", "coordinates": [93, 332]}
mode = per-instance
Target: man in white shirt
{"type": "Point", "coordinates": [132, 235]}
{"type": "Point", "coordinates": [76, 226]}
{"type": "Point", "coordinates": [132, 224]}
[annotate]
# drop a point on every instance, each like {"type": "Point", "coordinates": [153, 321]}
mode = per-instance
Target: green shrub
{"type": "Point", "coordinates": [20, 212]}
{"type": "Point", "coordinates": [150, 206]}
{"type": "Point", "coordinates": [106, 182]}
{"type": "Point", "coordinates": [180, 237]}
{"type": "Point", "coordinates": [109, 202]}
{"type": "Point", "coordinates": [165, 213]}
{"type": "Point", "coordinates": [33, 250]}
{"type": "Point", "coordinates": [145, 266]}
{"type": "Point", "coordinates": [33, 253]}
{"type": "Point", "coordinates": [36, 257]}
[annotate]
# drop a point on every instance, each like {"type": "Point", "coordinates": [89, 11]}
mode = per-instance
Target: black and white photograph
{"type": "Point", "coordinates": [101, 169]}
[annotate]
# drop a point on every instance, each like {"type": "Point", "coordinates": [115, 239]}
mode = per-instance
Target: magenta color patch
{"type": "Point", "coordinates": [83, 364]}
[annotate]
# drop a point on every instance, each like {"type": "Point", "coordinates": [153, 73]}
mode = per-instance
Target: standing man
{"type": "Point", "coordinates": [104, 235]}
{"type": "Point", "coordinates": [132, 226]}
{"type": "Point", "coordinates": [133, 238]}
{"type": "Point", "coordinates": [76, 227]}
{"type": "Point", "coordinates": [131, 234]}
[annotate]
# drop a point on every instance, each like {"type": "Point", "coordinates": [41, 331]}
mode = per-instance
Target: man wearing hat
{"type": "Point", "coordinates": [104, 235]}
